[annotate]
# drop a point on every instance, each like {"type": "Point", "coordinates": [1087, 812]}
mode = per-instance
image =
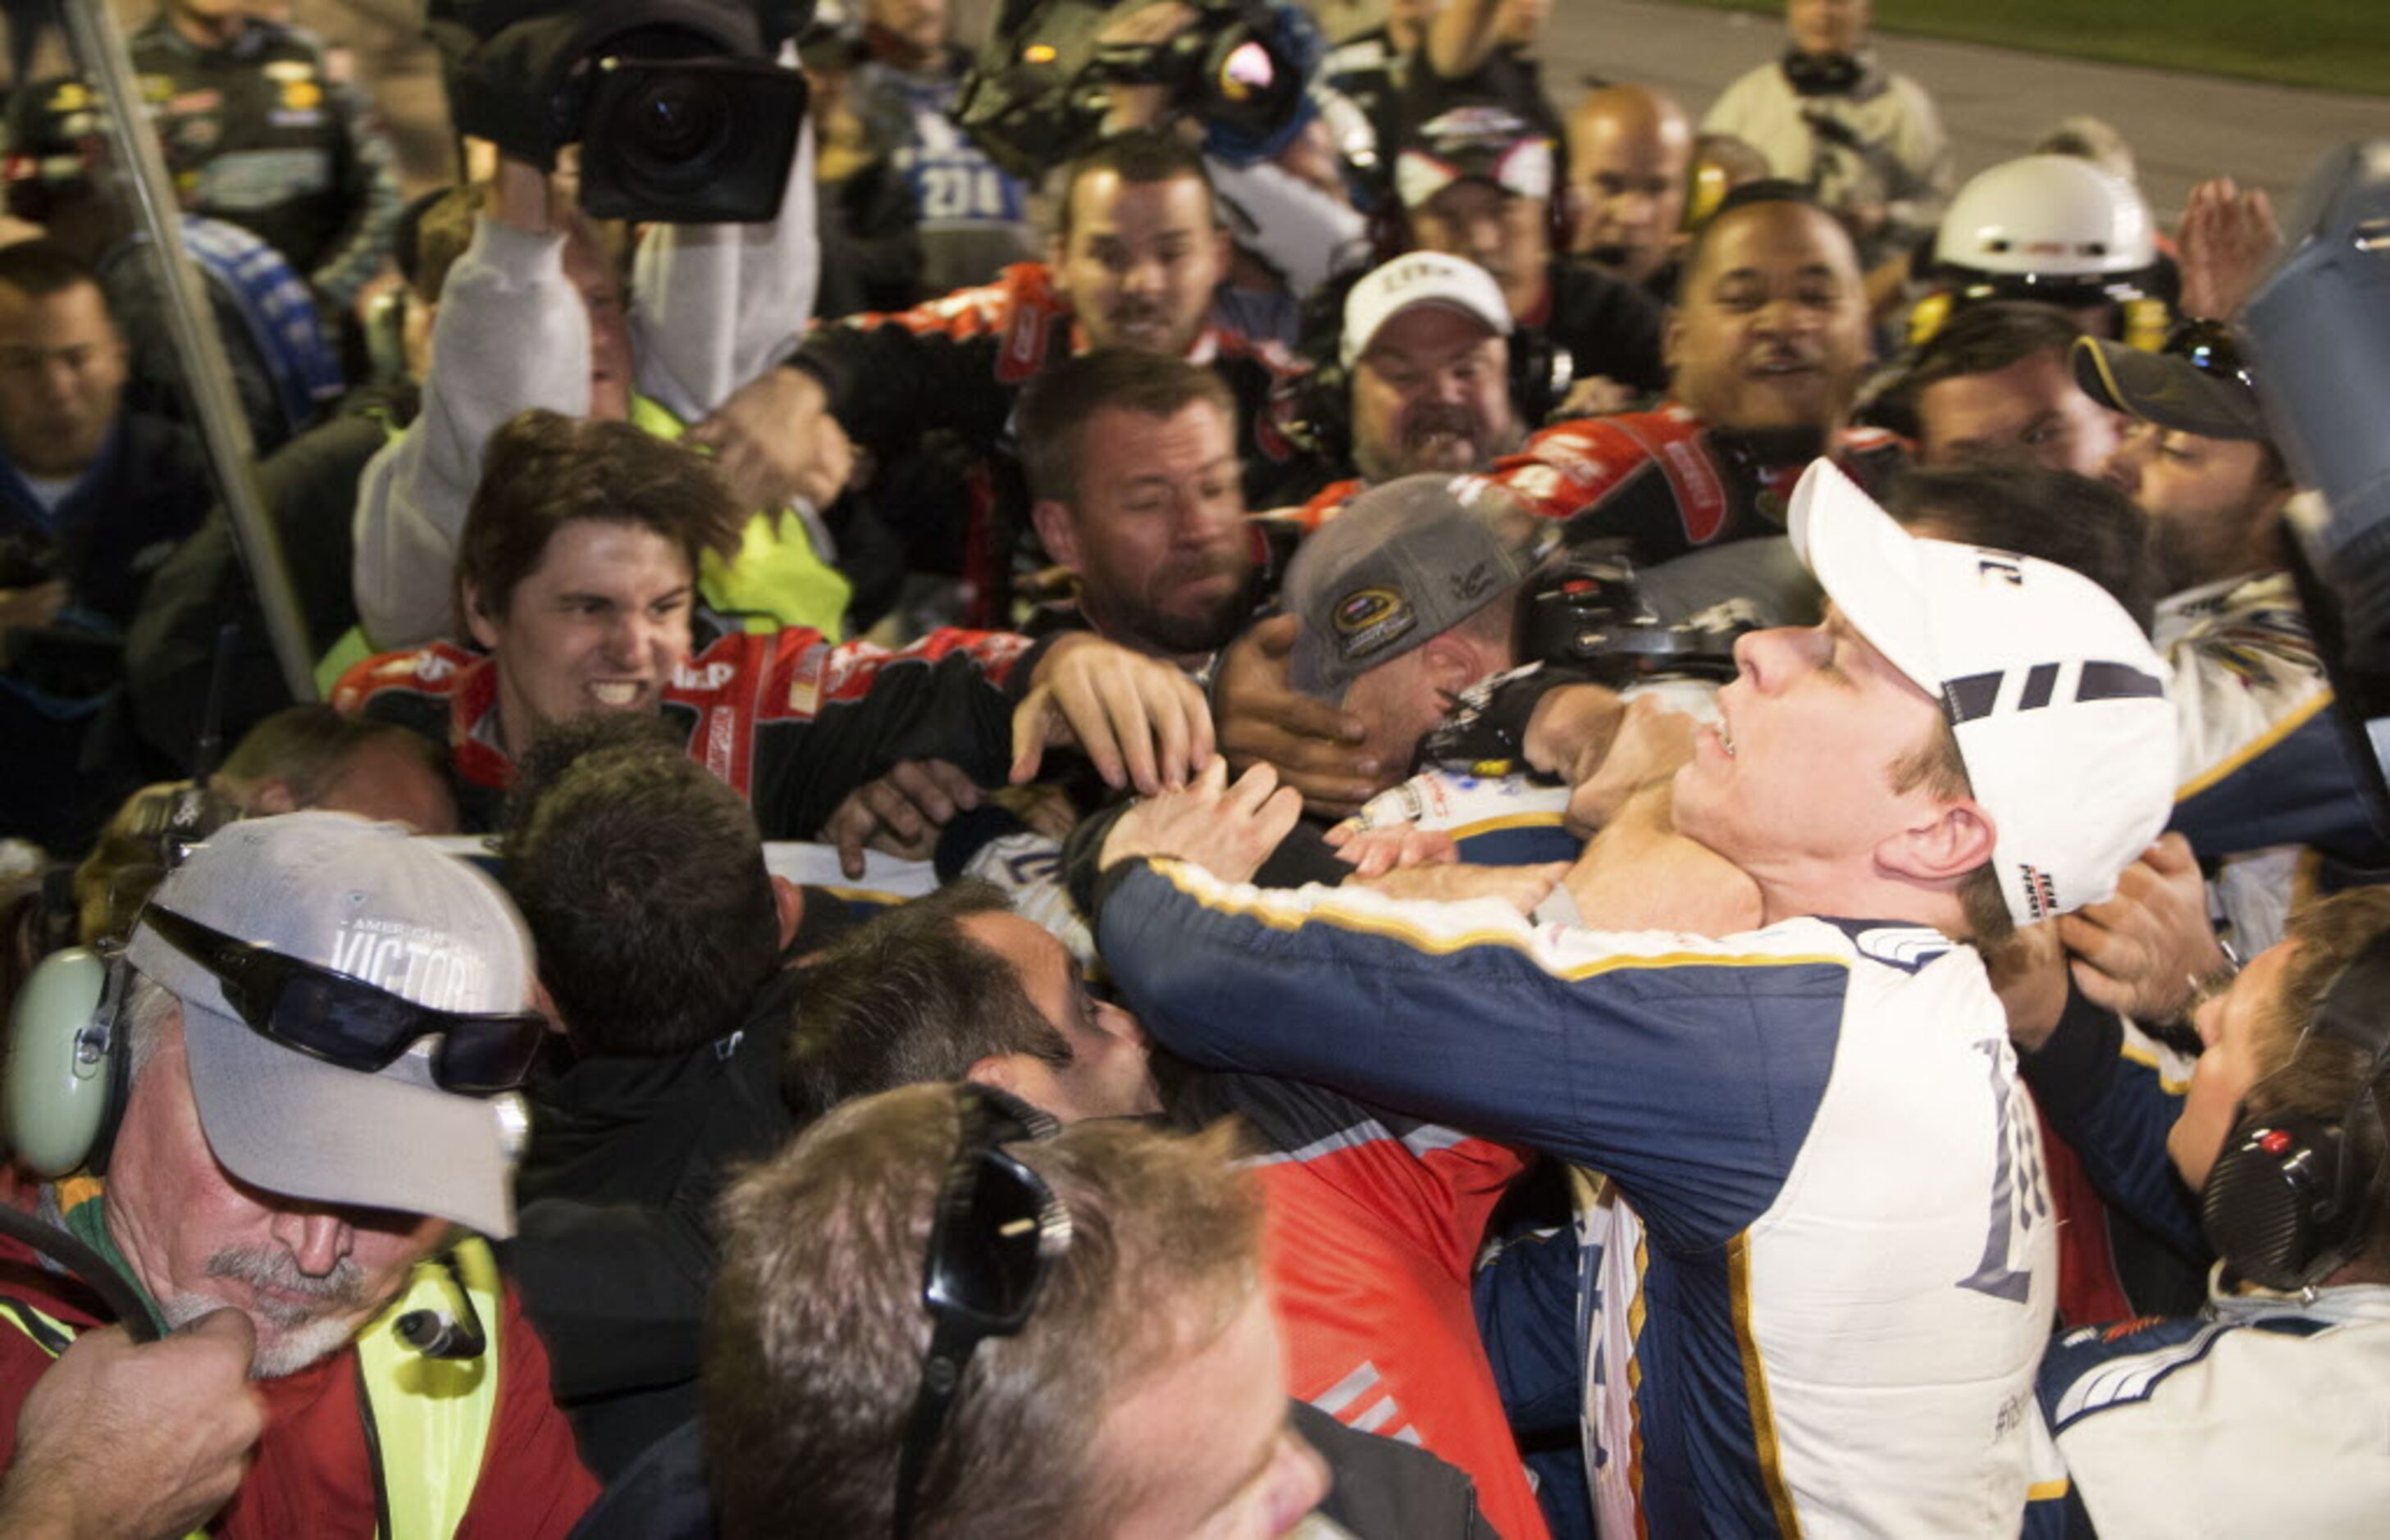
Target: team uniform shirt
{"type": "Point", "coordinates": [1372, 1225]}
{"type": "Point", "coordinates": [314, 1470]}
{"type": "Point", "coordinates": [1663, 481]}
{"type": "Point", "coordinates": [264, 133]}
{"type": "Point", "coordinates": [789, 722]}
{"type": "Point", "coordinates": [2260, 1416]}
{"type": "Point", "coordinates": [1823, 1293]}
{"type": "Point", "coordinates": [2267, 794]}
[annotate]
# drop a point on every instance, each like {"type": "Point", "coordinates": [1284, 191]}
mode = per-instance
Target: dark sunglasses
{"type": "Point", "coordinates": [2209, 347]}
{"type": "Point", "coordinates": [997, 1229]}
{"type": "Point", "coordinates": [345, 1021]}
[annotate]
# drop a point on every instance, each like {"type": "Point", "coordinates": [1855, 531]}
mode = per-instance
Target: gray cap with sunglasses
{"type": "Point", "coordinates": [392, 941]}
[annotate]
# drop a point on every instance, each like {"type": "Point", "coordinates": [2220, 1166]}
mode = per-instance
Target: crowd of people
{"type": "Point", "coordinates": [1514, 815]}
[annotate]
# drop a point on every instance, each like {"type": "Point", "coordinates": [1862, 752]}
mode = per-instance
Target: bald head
{"type": "Point", "coordinates": [1630, 148]}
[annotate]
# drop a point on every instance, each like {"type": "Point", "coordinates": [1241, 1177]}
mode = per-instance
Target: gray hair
{"type": "Point", "coordinates": [143, 1020]}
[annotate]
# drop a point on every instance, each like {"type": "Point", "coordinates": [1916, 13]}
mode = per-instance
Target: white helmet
{"type": "Point", "coordinates": [2044, 223]}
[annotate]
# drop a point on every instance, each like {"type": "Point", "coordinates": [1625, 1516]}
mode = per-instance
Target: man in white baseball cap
{"type": "Point", "coordinates": [1426, 350]}
{"type": "Point", "coordinates": [1827, 1266]}
{"type": "Point", "coordinates": [310, 1045]}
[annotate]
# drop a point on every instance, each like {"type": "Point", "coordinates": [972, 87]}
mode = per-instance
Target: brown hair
{"type": "Point", "coordinates": [2320, 1078]}
{"type": "Point", "coordinates": [815, 1332]}
{"type": "Point", "coordinates": [543, 470]}
{"type": "Point", "coordinates": [1140, 158]}
{"type": "Point", "coordinates": [1057, 405]}
{"type": "Point", "coordinates": [909, 997]}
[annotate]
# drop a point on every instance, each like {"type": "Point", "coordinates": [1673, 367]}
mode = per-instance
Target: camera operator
{"type": "Point", "coordinates": [532, 316]}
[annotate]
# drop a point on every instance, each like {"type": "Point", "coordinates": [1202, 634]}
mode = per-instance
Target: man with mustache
{"type": "Point", "coordinates": [310, 1045]}
{"type": "Point", "coordinates": [1423, 370]}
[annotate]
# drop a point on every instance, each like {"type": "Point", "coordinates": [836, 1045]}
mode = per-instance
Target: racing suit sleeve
{"type": "Point", "coordinates": [1688, 1069]}
{"type": "Point", "coordinates": [2102, 1091]}
{"type": "Point", "coordinates": [891, 378]}
{"type": "Point", "coordinates": [511, 334]}
{"type": "Point", "coordinates": [2261, 760]}
{"type": "Point", "coordinates": [369, 185]}
{"type": "Point", "coordinates": [834, 718]}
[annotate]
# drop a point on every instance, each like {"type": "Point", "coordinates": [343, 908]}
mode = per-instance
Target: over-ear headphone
{"type": "Point", "coordinates": [2292, 1198]}
{"type": "Point", "coordinates": [1317, 407]}
{"type": "Point", "coordinates": [69, 1066]}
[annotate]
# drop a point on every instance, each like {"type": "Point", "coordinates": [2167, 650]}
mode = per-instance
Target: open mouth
{"type": "Point", "coordinates": [615, 695]}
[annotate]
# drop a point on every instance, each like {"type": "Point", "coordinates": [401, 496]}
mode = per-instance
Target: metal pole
{"type": "Point", "coordinates": [98, 46]}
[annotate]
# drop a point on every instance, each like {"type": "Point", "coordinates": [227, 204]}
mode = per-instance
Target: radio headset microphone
{"type": "Point", "coordinates": [450, 1329]}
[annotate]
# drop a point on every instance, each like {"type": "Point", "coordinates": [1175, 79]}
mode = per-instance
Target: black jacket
{"type": "Point", "coordinates": [625, 1159]}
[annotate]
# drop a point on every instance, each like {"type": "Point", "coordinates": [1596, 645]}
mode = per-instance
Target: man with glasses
{"type": "Point", "coordinates": [319, 1027]}
{"type": "Point", "coordinates": [1100, 1359]}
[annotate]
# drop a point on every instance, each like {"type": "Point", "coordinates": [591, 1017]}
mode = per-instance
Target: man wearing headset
{"type": "Point", "coordinates": [308, 1049]}
{"type": "Point", "coordinates": [1420, 379]}
{"type": "Point", "coordinates": [2280, 1136]}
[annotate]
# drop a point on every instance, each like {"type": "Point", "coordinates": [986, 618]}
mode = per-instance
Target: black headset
{"type": "Point", "coordinates": [1316, 410]}
{"type": "Point", "coordinates": [2292, 1198]}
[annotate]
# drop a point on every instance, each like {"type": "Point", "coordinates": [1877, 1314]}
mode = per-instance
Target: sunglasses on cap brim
{"type": "Point", "coordinates": [351, 1023]}
{"type": "Point", "coordinates": [997, 1230]}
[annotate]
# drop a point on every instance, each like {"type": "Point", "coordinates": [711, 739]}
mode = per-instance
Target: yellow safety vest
{"type": "Point", "coordinates": [428, 1420]}
{"type": "Point", "coordinates": [777, 578]}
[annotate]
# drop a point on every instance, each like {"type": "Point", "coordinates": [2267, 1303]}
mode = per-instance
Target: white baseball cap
{"type": "Point", "coordinates": [2058, 701]}
{"type": "Point", "coordinates": [366, 901]}
{"type": "Point", "coordinates": [1420, 279]}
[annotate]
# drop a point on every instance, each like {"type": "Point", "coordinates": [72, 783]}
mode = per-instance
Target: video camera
{"type": "Point", "coordinates": [1036, 94]}
{"type": "Point", "coordinates": [681, 110]}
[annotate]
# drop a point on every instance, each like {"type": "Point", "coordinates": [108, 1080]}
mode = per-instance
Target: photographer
{"type": "Point", "coordinates": [532, 316]}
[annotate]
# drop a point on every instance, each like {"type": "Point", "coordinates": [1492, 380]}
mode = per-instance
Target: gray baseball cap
{"type": "Point", "coordinates": [368, 902]}
{"type": "Point", "coordinates": [1401, 564]}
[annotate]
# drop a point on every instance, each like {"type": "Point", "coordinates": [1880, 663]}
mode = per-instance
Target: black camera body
{"type": "Point", "coordinates": [1036, 94]}
{"type": "Point", "coordinates": [1590, 619]}
{"type": "Point", "coordinates": [681, 110]}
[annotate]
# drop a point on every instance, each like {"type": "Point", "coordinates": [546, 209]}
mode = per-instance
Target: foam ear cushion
{"type": "Point", "coordinates": [61, 1081]}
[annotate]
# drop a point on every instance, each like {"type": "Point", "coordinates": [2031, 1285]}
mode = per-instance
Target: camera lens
{"type": "Point", "coordinates": [677, 121]}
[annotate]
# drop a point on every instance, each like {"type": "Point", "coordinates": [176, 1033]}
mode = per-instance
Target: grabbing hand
{"type": "Point", "coordinates": [902, 813]}
{"type": "Point", "coordinates": [1376, 852]}
{"type": "Point", "coordinates": [35, 606]}
{"type": "Point", "coordinates": [1263, 719]}
{"type": "Point", "coordinates": [1140, 720]}
{"type": "Point", "coordinates": [774, 443]}
{"type": "Point", "coordinates": [2028, 972]}
{"type": "Point", "coordinates": [1229, 830]}
{"type": "Point", "coordinates": [1650, 745]}
{"type": "Point", "coordinates": [2143, 953]}
{"type": "Point", "coordinates": [117, 1439]}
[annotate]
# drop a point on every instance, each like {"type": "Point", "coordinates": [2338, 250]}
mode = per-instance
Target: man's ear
{"type": "Point", "coordinates": [1942, 843]}
{"type": "Point", "coordinates": [478, 618]}
{"type": "Point", "coordinates": [272, 797]}
{"type": "Point", "coordinates": [1670, 324]}
{"type": "Point", "coordinates": [789, 906]}
{"type": "Point", "coordinates": [999, 1070]}
{"type": "Point", "coordinates": [1453, 661]}
{"type": "Point", "coordinates": [1052, 518]}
